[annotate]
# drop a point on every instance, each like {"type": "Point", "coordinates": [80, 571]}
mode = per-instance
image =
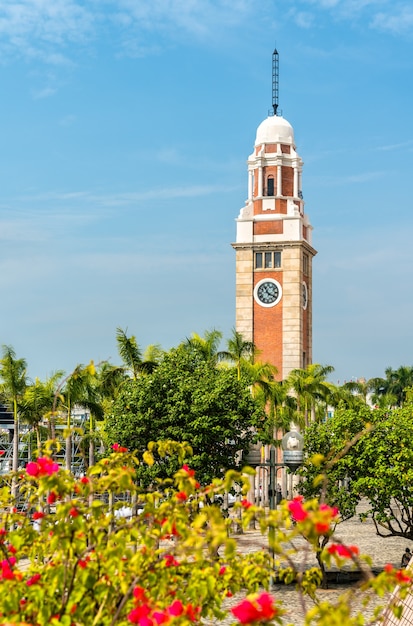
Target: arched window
{"type": "Point", "coordinates": [270, 186]}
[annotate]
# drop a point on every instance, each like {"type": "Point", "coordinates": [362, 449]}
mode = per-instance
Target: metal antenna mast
{"type": "Point", "coordinates": [275, 81]}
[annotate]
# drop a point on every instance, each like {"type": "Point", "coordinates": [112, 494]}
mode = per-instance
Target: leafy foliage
{"type": "Point", "coordinates": [364, 454]}
{"type": "Point", "coordinates": [187, 398]}
{"type": "Point", "coordinates": [79, 552]}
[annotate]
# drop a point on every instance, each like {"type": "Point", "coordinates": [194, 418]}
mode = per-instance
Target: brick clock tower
{"type": "Point", "coordinates": [274, 250]}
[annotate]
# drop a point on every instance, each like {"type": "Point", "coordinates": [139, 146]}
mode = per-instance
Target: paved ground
{"type": "Point", "coordinates": [382, 551]}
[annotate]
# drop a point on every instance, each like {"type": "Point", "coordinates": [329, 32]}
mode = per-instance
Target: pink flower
{"type": "Point", "coordinates": [192, 612]}
{"type": "Point", "coordinates": [402, 577]}
{"type": "Point", "coordinates": [38, 515]}
{"type": "Point", "coordinates": [139, 593]}
{"type": "Point", "coordinates": [297, 510]}
{"type": "Point", "coordinates": [44, 466]}
{"type": "Point", "coordinates": [255, 609]}
{"type": "Point", "coordinates": [51, 498]}
{"type": "Point", "coordinates": [73, 512]}
{"type": "Point", "coordinates": [245, 503]}
{"type": "Point", "coordinates": [32, 468]}
{"type": "Point", "coordinates": [139, 615]}
{"type": "Point", "coordinates": [33, 580]}
{"type": "Point", "coordinates": [181, 495]}
{"type": "Point", "coordinates": [170, 560]}
{"type": "Point", "coordinates": [160, 617]}
{"type": "Point", "coordinates": [189, 471]}
{"type": "Point", "coordinates": [346, 552]}
{"type": "Point", "coordinates": [117, 448]}
{"type": "Point", "coordinates": [322, 528]}
{"type": "Point", "coordinates": [222, 570]}
{"type": "Point", "coordinates": [176, 609]}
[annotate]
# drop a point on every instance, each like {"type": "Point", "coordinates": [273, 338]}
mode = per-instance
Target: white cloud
{"type": "Point", "coordinates": [46, 92]}
{"type": "Point", "coordinates": [382, 15]}
{"type": "Point", "coordinates": [396, 146]}
{"type": "Point", "coordinates": [36, 28]}
{"type": "Point", "coordinates": [303, 19]}
{"type": "Point", "coordinates": [42, 29]}
{"type": "Point", "coordinates": [399, 23]}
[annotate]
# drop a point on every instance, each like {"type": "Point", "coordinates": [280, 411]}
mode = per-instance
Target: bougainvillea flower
{"type": "Point", "coordinates": [346, 552]}
{"type": "Point", "coordinates": [160, 617]}
{"type": "Point", "coordinates": [181, 495]}
{"type": "Point", "coordinates": [255, 609]}
{"type": "Point", "coordinates": [402, 577]}
{"type": "Point", "coordinates": [51, 498]}
{"type": "Point", "coordinates": [117, 448]}
{"type": "Point", "coordinates": [246, 503]}
{"type": "Point", "coordinates": [266, 603]}
{"type": "Point", "coordinates": [176, 609]}
{"type": "Point", "coordinates": [38, 515]}
{"type": "Point", "coordinates": [42, 467]}
{"type": "Point", "coordinates": [33, 580]}
{"type": "Point", "coordinates": [139, 615]}
{"type": "Point", "coordinates": [332, 510]}
{"type": "Point", "coordinates": [170, 560]}
{"type": "Point", "coordinates": [189, 471]}
{"type": "Point", "coordinates": [139, 593]}
{"type": "Point", "coordinates": [297, 510]}
{"type": "Point", "coordinates": [322, 528]}
{"type": "Point", "coordinates": [192, 612]}
{"type": "Point", "coordinates": [73, 512]}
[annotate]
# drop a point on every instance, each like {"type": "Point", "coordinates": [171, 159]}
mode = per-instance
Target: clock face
{"type": "Point", "coordinates": [305, 296]}
{"type": "Point", "coordinates": [267, 292]}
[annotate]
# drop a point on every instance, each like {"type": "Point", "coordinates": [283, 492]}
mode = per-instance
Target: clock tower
{"type": "Point", "coordinates": [274, 249]}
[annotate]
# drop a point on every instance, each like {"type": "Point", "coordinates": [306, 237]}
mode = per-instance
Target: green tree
{"type": "Point", "coordinates": [187, 399]}
{"type": "Point", "coordinates": [37, 403]}
{"type": "Point", "coordinates": [79, 388]}
{"type": "Point", "coordinates": [13, 384]}
{"type": "Point", "coordinates": [310, 387]}
{"type": "Point", "coordinates": [364, 453]}
{"type": "Point", "coordinates": [394, 384]}
{"type": "Point", "coordinates": [330, 469]}
{"type": "Point", "coordinates": [131, 355]}
{"type": "Point", "coordinates": [206, 347]}
{"type": "Point", "coordinates": [240, 351]}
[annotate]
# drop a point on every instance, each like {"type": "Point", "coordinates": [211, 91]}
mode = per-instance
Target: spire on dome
{"type": "Point", "coordinates": [275, 81]}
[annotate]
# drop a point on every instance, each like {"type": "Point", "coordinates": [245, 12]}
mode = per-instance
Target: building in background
{"type": "Point", "coordinates": [274, 251]}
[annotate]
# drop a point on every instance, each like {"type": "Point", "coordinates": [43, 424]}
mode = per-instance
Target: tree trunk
{"type": "Point", "coordinates": [15, 460]}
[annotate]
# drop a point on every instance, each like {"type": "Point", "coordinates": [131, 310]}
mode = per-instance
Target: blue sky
{"type": "Point", "coordinates": [125, 127]}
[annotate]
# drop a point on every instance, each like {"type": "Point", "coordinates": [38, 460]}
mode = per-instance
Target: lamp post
{"type": "Point", "coordinates": [292, 448]}
{"type": "Point", "coordinates": [292, 445]}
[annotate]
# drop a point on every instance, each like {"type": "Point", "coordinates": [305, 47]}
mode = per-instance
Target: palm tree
{"type": "Point", "coordinates": [281, 408]}
{"type": "Point", "coordinates": [131, 354]}
{"type": "Point", "coordinates": [309, 386]}
{"type": "Point", "coordinates": [38, 402]}
{"type": "Point", "coordinates": [77, 389]}
{"type": "Point", "coordinates": [206, 347]}
{"type": "Point", "coordinates": [396, 383]}
{"type": "Point", "coordinates": [361, 387]}
{"type": "Point", "coordinates": [14, 381]}
{"type": "Point", "coordinates": [240, 351]}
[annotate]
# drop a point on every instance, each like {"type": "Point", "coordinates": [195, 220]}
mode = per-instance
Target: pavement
{"type": "Point", "coordinates": [351, 532]}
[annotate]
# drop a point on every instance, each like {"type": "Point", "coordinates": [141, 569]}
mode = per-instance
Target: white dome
{"type": "Point", "coordinates": [275, 129]}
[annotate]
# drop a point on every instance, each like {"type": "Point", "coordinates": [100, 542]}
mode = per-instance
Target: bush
{"type": "Point", "coordinates": [73, 555]}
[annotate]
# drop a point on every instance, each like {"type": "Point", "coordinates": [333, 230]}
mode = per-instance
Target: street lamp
{"type": "Point", "coordinates": [292, 445]}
